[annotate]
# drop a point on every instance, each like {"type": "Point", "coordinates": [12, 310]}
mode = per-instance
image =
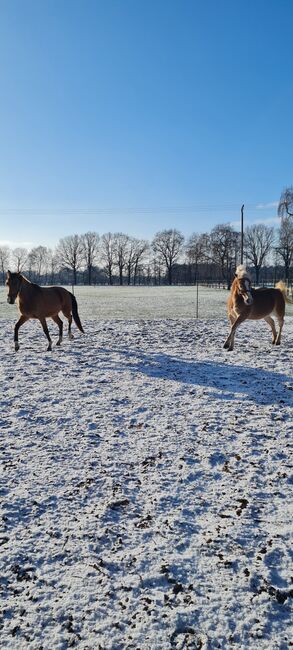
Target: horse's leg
{"type": "Point", "coordinates": [19, 323]}
{"type": "Point", "coordinates": [281, 323]}
{"type": "Point", "coordinates": [67, 313]}
{"type": "Point", "coordinates": [46, 331]}
{"type": "Point", "coordinates": [232, 320]}
{"type": "Point", "coordinates": [59, 322]}
{"type": "Point", "coordinates": [271, 323]}
{"type": "Point", "coordinates": [70, 335]}
{"type": "Point", "coordinates": [229, 343]}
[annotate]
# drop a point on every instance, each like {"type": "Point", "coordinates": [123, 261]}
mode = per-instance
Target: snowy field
{"type": "Point", "coordinates": [133, 303]}
{"type": "Point", "coordinates": [141, 302]}
{"type": "Point", "coordinates": [146, 486]}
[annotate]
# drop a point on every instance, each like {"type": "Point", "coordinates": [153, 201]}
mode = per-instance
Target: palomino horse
{"type": "Point", "coordinates": [41, 303]}
{"type": "Point", "coordinates": [247, 303]}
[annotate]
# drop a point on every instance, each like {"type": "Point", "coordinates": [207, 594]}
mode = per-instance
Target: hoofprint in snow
{"type": "Point", "coordinates": [147, 485]}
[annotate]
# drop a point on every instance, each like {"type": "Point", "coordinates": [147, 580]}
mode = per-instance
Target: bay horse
{"type": "Point", "coordinates": [245, 303]}
{"type": "Point", "coordinates": [41, 302]}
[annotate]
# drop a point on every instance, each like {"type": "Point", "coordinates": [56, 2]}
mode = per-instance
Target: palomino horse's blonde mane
{"type": "Point", "coordinates": [241, 272]}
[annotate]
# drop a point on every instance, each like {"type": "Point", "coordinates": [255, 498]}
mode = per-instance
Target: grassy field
{"type": "Point", "coordinates": [142, 302]}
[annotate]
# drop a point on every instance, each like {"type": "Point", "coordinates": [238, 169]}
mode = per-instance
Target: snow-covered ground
{"type": "Point", "coordinates": [147, 487]}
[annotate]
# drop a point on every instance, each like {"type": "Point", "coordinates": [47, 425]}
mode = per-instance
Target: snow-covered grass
{"type": "Point", "coordinates": [141, 302]}
{"type": "Point", "coordinates": [104, 303]}
{"type": "Point", "coordinates": [147, 487]}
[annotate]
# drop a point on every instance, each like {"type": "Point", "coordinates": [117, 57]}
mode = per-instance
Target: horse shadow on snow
{"type": "Point", "coordinates": [228, 382]}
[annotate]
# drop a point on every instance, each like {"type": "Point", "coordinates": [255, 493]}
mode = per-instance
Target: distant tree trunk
{"type": "Point", "coordinates": [4, 260]}
{"type": "Point", "coordinates": [90, 243]}
{"type": "Point", "coordinates": [107, 254]}
{"type": "Point", "coordinates": [128, 273]}
{"type": "Point", "coordinates": [284, 248]}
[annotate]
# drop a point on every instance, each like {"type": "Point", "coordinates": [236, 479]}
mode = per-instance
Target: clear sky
{"type": "Point", "coordinates": [139, 115]}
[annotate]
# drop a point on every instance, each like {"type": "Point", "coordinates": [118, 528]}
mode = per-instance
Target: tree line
{"type": "Point", "coordinates": [169, 258]}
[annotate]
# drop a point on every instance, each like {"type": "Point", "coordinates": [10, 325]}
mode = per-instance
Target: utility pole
{"type": "Point", "coordinates": [241, 252]}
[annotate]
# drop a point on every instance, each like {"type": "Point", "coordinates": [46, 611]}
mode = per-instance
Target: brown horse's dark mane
{"type": "Point", "coordinates": [32, 284]}
{"type": "Point", "coordinates": [40, 303]}
{"type": "Point", "coordinates": [36, 286]}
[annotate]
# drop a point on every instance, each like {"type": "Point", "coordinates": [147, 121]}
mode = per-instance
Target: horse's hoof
{"type": "Point", "coordinates": [16, 347]}
{"type": "Point", "coordinates": [58, 343]}
{"type": "Point", "coordinates": [49, 348]}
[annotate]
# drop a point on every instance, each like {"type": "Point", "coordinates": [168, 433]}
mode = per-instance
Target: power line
{"type": "Point", "coordinates": [179, 209]}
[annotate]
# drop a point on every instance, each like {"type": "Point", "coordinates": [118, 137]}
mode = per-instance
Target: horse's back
{"type": "Point", "coordinates": [57, 297]}
{"type": "Point", "coordinates": [265, 302]}
{"type": "Point", "coordinates": [43, 302]}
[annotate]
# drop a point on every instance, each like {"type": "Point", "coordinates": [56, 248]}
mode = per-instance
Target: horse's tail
{"type": "Point", "coordinates": [75, 313]}
{"type": "Point", "coordinates": [282, 287]}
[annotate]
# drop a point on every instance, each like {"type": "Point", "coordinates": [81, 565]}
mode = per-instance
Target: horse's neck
{"type": "Point", "coordinates": [25, 286]}
{"type": "Point", "coordinates": [237, 298]}
{"type": "Point", "coordinates": [234, 289]}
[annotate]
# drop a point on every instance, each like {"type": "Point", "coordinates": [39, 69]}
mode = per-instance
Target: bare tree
{"type": "Point", "coordinates": [168, 244]}
{"type": "Point", "coordinates": [224, 246]}
{"type": "Point", "coordinates": [197, 250]}
{"type": "Point", "coordinates": [19, 257]}
{"type": "Point", "coordinates": [258, 242]}
{"type": "Point", "coordinates": [136, 250]}
{"type": "Point", "coordinates": [90, 243]}
{"type": "Point", "coordinates": [284, 246]}
{"type": "Point", "coordinates": [121, 243]}
{"type": "Point", "coordinates": [155, 269]}
{"type": "Point", "coordinates": [52, 266]}
{"type": "Point", "coordinates": [4, 260]}
{"type": "Point", "coordinates": [141, 247]}
{"type": "Point", "coordinates": [107, 254]}
{"type": "Point", "coordinates": [285, 207]}
{"type": "Point", "coordinates": [37, 260]}
{"type": "Point", "coordinates": [70, 254]}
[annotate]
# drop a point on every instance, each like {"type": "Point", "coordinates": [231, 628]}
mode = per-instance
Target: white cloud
{"type": "Point", "coordinates": [16, 244]}
{"type": "Point", "coordinates": [267, 221]}
{"type": "Point", "coordinates": [267, 206]}
{"type": "Point", "coordinates": [236, 224]}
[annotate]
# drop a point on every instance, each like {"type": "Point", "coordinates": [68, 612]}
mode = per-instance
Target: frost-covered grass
{"type": "Point", "coordinates": [140, 302]}
{"type": "Point", "coordinates": [147, 487]}
{"type": "Point", "coordinates": [143, 302]}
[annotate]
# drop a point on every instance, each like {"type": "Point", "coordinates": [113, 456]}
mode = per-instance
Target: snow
{"type": "Point", "coordinates": [146, 487]}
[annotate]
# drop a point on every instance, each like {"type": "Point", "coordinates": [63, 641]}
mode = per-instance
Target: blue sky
{"type": "Point", "coordinates": [139, 115]}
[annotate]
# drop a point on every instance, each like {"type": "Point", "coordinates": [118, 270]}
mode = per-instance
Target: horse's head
{"type": "Point", "coordinates": [13, 283]}
{"type": "Point", "coordinates": [243, 284]}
